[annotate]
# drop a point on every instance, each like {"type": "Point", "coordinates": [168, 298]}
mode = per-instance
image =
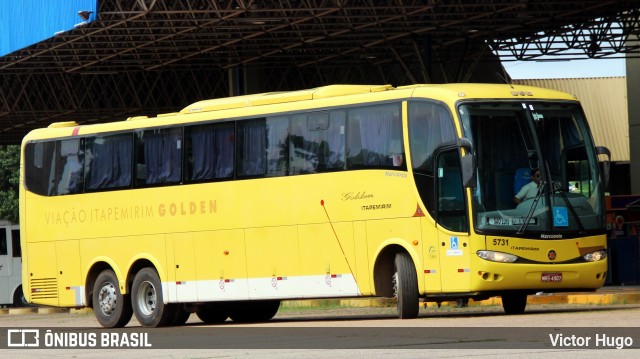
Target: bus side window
{"type": "Point", "coordinates": [304, 145]}
{"type": "Point", "coordinates": [108, 161]}
{"type": "Point", "coordinates": [209, 151]}
{"type": "Point", "coordinates": [158, 156]}
{"type": "Point", "coordinates": [317, 142]}
{"type": "Point", "coordinates": [3, 242]}
{"type": "Point", "coordinates": [15, 242]}
{"type": "Point", "coordinates": [375, 139]}
{"type": "Point", "coordinates": [251, 147]}
{"type": "Point", "coordinates": [332, 146]}
{"type": "Point", "coordinates": [277, 132]}
{"type": "Point", "coordinates": [71, 161]}
{"type": "Point", "coordinates": [39, 167]}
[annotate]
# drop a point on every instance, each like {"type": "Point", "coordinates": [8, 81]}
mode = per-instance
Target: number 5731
{"type": "Point", "coordinates": [500, 242]}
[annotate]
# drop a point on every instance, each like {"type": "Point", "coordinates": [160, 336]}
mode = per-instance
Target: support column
{"type": "Point", "coordinates": [236, 81]}
{"type": "Point", "coordinates": [633, 106]}
{"type": "Point", "coordinates": [245, 81]}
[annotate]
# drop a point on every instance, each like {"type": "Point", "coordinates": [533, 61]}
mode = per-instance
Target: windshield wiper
{"type": "Point", "coordinates": [524, 225]}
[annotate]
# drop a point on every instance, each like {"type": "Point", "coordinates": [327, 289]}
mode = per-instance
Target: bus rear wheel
{"type": "Point", "coordinates": [213, 313]}
{"type": "Point", "coordinates": [147, 301]}
{"type": "Point", "coordinates": [254, 311]}
{"type": "Point", "coordinates": [111, 308]}
{"type": "Point", "coordinates": [180, 315]}
{"type": "Point", "coordinates": [514, 303]}
{"type": "Point", "coordinates": [405, 286]}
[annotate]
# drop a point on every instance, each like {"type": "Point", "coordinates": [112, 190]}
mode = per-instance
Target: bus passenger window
{"type": "Point", "coordinates": [251, 147]}
{"type": "Point", "coordinates": [158, 156]}
{"type": "Point", "coordinates": [277, 145]}
{"type": "Point", "coordinates": [304, 150]}
{"type": "Point", "coordinates": [209, 152]}
{"type": "Point", "coordinates": [375, 138]}
{"type": "Point", "coordinates": [332, 143]}
{"type": "Point", "coordinates": [317, 142]}
{"type": "Point", "coordinates": [71, 161]}
{"type": "Point", "coordinates": [108, 161]}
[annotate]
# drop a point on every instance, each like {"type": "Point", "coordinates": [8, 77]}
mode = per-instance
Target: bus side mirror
{"type": "Point", "coordinates": [468, 163]}
{"type": "Point", "coordinates": [601, 150]}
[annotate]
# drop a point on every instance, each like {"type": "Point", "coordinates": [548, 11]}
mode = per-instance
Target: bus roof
{"type": "Point", "coordinates": [449, 93]}
{"type": "Point", "coordinates": [457, 90]}
{"type": "Point", "coordinates": [270, 98]}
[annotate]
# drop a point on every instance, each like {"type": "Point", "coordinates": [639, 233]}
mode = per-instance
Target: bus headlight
{"type": "Point", "coordinates": [497, 256]}
{"type": "Point", "coordinates": [595, 256]}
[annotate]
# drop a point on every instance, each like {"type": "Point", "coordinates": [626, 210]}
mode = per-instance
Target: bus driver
{"type": "Point", "coordinates": [530, 189]}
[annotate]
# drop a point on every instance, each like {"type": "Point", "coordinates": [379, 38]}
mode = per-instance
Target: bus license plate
{"type": "Point", "coordinates": [551, 277]}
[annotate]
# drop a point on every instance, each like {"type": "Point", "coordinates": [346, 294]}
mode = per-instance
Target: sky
{"type": "Point", "coordinates": [565, 69]}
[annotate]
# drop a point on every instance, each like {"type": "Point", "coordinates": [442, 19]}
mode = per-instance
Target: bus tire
{"type": "Point", "coordinates": [254, 311]}
{"type": "Point", "coordinates": [514, 303]}
{"type": "Point", "coordinates": [147, 301]}
{"type": "Point", "coordinates": [405, 285]}
{"type": "Point", "coordinates": [180, 315]}
{"type": "Point", "coordinates": [213, 313]}
{"type": "Point", "coordinates": [18, 298]}
{"type": "Point", "coordinates": [111, 308]}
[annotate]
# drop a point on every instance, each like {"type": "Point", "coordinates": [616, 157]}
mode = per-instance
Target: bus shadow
{"type": "Point", "coordinates": [360, 314]}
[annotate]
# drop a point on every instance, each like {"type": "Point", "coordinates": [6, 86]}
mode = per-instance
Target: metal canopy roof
{"type": "Point", "coordinates": [151, 35]}
{"type": "Point", "coordinates": [160, 55]}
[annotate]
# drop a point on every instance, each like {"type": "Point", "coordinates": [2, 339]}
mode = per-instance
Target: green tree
{"type": "Point", "coordinates": [9, 182]}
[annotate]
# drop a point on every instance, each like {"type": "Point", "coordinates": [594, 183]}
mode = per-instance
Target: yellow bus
{"type": "Point", "coordinates": [232, 205]}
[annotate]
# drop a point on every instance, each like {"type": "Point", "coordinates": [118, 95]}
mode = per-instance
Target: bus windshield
{"type": "Point", "coordinates": [537, 168]}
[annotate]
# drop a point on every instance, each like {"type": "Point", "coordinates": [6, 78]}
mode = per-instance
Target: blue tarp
{"type": "Point", "coordinates": [26, 22]}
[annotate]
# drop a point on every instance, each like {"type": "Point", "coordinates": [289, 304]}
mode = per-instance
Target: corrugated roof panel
{"type": "Point", "coordinates": [24, 23]}
{"type": "Point", "coordinates": [604, 100]}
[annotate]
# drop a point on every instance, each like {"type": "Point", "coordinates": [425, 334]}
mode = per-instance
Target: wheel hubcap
{"type": "Point", "coordinates": [107, 298]}
{"type": "Point", "coordinates": [146, 298]}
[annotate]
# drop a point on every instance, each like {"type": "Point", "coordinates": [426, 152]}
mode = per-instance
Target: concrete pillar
{"type": "Point", "coordinates": [633, 105]}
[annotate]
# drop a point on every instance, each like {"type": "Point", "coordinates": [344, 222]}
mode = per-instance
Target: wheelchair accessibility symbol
{"type": "Point", "coordinates": [560, 217]}
{"type": "Point", "coordinates": [454, 248]}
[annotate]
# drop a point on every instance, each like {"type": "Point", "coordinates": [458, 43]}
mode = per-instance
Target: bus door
{"type": "Point", "coordinates": [452, 222]}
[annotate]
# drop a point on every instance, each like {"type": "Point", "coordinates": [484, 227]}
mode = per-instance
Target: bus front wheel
{"type": "Point", "coordinates": [405, 286]}
{"type": "Point", "coordinates": [147, 301]}
{"type": "Point", "coordinates": [514, 303]}
{"type": "Point", "coordinates": [111, 308]}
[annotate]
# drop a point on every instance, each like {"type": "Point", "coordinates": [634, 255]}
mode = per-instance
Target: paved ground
{"type": "Point", "coordinates": [609, 295]}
